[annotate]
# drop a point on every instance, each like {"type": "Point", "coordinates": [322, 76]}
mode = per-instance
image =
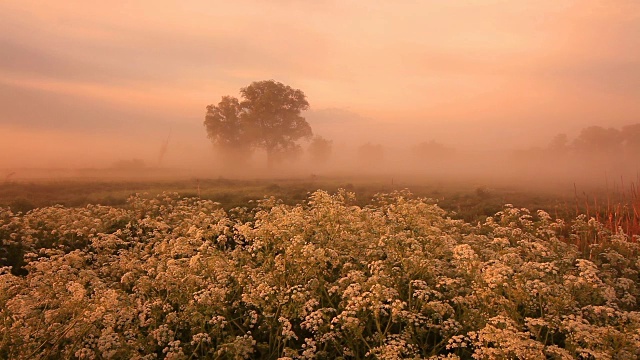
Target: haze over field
{"type": "Point", "coordinates": [88, 85]}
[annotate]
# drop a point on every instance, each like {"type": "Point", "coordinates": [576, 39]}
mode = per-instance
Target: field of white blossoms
{"type": "Point", "coordinates": [172, 278]}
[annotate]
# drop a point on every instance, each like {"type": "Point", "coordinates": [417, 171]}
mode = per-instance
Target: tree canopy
{"type": "Point", "coordinates": [268, 117]}
{"type": "Point", "coordinates": [596, 139]}
{"type": "Point", "coordinates": [225, 128]}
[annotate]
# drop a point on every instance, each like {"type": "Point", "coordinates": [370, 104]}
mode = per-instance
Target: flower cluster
{"type": "Point", "coordinates": [181, 278]}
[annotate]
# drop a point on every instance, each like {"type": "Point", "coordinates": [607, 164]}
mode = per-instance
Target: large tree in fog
{"type": "Point", "coordinates": [227, 129]}
{"type": "Point", "coordinates": [268, 117]}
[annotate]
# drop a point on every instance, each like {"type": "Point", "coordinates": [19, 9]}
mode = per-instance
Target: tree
{"type": "Point", "coordinates": [631, 136]}
{"type": "Point", "coordinates": [559, 143]}
{"type": "Point", "coordinates": [272, 111]}
{"type": "Point", "coordinates": [558, 148]}
{"type": "Point", "coordinates": [227, 130]}
{"type": "Point", "coordinates": [268, 117]}
{"type": "Point", "coordinates": [320, 150]}
{"type": "Point", "coordinates": [598, 140]}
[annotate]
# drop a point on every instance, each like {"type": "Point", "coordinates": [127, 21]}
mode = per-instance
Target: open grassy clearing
{"type": "Point", "coordinates": [469, 200]}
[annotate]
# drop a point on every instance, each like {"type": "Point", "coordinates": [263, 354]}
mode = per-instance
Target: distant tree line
{"type": "Point", "coordinates": [594, 147]}
{"type": "Point", "coordinates": [597, 140]}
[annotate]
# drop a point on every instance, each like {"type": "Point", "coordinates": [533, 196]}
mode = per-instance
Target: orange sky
{"type": "Point", "coordinates": [110, 72]}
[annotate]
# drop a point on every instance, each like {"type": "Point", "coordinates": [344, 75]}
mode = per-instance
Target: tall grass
{"type": "Point", "coordinates": [618, 208]}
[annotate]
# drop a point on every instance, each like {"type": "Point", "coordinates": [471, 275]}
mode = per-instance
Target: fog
{"type": "Point", "coordinates": [357, 148]}
{"type": "Point", "coordinates": [404, 91]}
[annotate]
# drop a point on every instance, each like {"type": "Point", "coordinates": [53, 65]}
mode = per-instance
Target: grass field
{"type": "Point", "coordinates": [614, 203]}
{"type": "Point", "coordinates": [167, 277]}
{"type": "Point", "coordinates": [469, 200]}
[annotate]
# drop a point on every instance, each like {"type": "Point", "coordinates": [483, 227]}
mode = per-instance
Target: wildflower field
{"type": "Point", "coordinates": [182, 278]}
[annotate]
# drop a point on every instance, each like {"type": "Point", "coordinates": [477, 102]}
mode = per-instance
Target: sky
{"type": "Point", "coordinates": [83, 82]}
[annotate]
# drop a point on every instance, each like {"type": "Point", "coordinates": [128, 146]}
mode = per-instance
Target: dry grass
{"type": "Point", "coordinates": [618, 208]}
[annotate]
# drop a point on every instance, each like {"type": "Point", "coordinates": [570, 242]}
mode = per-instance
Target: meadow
{"type": "Point", "coordinates": [196, 269]}
{"type": "Point", "coordinates": [471, 200]}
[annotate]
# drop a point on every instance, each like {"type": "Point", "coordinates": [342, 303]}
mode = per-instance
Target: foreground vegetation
{"type": "Point", "coordinates": [471, 201]}
{"type": "Point", "coordinates": [177, 278]}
